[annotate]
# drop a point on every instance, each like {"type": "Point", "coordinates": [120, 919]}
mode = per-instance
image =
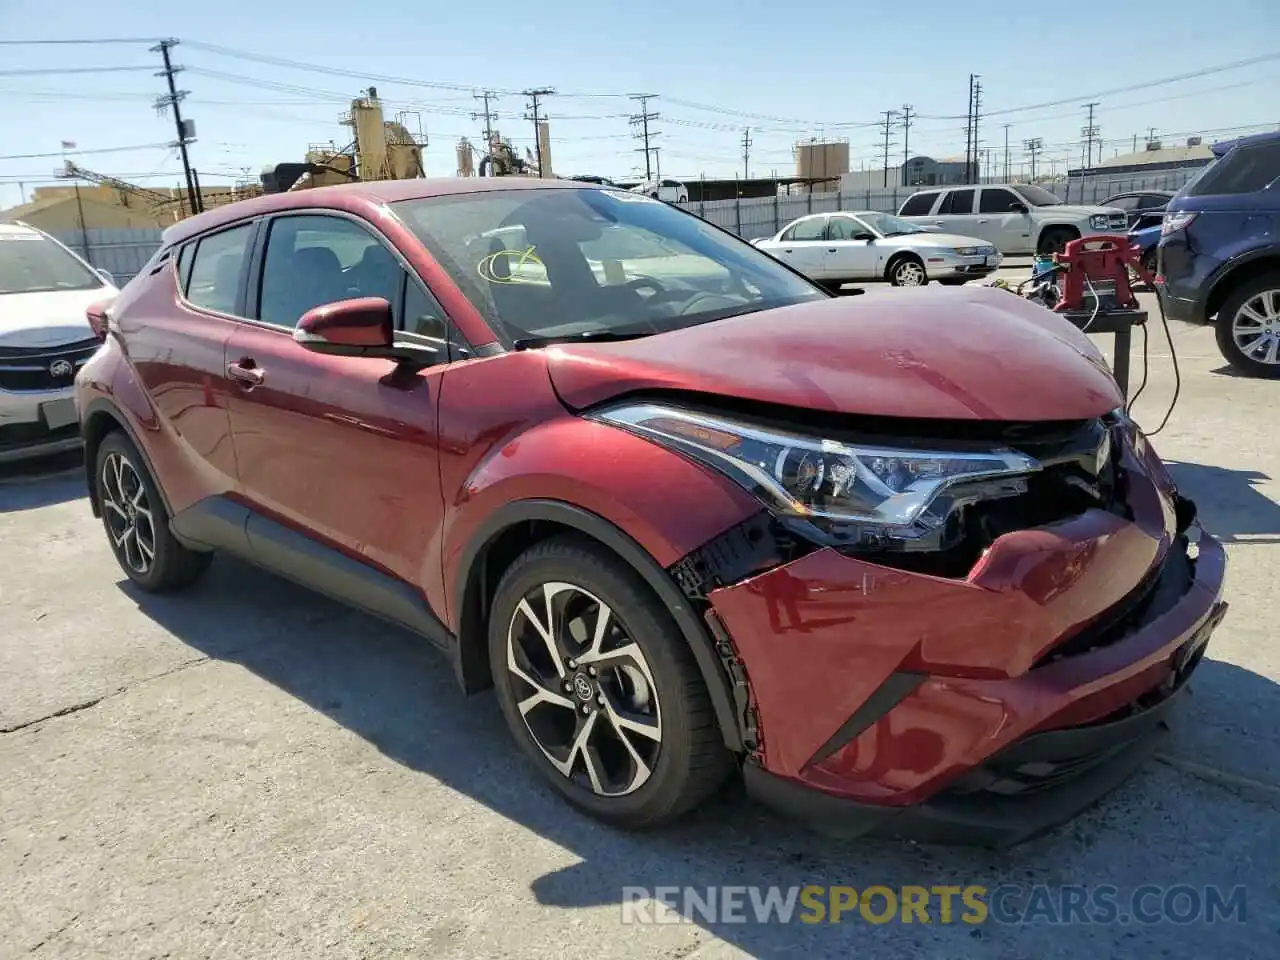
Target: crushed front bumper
{"type": "Point", "coordinates": [979, 710]}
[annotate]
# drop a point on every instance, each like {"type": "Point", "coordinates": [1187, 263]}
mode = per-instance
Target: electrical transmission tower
{"type": "Point", "coordinates": [977, 116]}
{"type": "Point", "coordinates": [907, 116]}
{"type": "Point", "coordinates": [186, 128]}
{"type": "Point", "coordinates": [1090, 133]}
{"type": "Point", "coordinates": [488, 116]}
{"type": "Point", "coordinates": [746, 154]}
{"type": "Point", "coordinates": [643, 133]}
{"type": "Point", "coordinates": [1033, 147]}
{"type": "Point", "coordinates": [537, 118]}
{"type": "Point", "coordinates": [889, 117]}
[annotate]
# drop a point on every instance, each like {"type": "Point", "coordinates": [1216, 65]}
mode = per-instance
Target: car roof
{"type": "Point", "coordinates": [20, 227]}
{"type": "Point", "coordinates": [365, 194]}
{"type": "Point", "coordinates": [1226, 146]}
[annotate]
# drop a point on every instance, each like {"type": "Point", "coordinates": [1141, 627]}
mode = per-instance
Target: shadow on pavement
{"type": "Point", "coordinates": [41, 483]}
{"type": "Point", "coordinates": [396, 692]}
{"type": "Point", "coordinates": [1230, 505]}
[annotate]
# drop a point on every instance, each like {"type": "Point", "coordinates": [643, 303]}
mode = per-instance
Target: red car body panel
{"type": "Point", "coordinates": [940, 353]}
{"type": "Point", "coordinates": [402, 470]}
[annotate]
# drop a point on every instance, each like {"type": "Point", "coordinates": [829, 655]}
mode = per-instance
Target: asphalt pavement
{"type": "Point", "coordinates": [249, 770]}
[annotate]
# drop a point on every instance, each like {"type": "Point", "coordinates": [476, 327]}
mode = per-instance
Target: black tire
{"type": "Point", "coordinates": [906, 264]}
{"type": "Point", "coordinates": [955, 281]}
{"type": "Point", "coordinates": [171, 566]}
{"type": "Point", "coordinates": [1055, 240]}
{"type": "Point", "coordinates": [689, 762]}
{"type": "Point", "coordinates": [1149, 261]}
{"type": "Point", "coordinates": [1231, 306]}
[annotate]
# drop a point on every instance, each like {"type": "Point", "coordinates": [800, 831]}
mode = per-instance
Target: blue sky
{"type": "Point", "coordinates": [790, 71]}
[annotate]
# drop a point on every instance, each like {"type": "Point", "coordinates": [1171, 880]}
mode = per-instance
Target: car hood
{"type": "Point", "coordinates": [1074, 210]}
{"type": "Point", "coordinates": [968, 353]}
{"type": "Point", "coordinates": [48, 318]}
{"type": "Point", "coordinates": [931, 239]}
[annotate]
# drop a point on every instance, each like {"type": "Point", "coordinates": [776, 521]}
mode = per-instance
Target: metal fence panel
{"type": "Point", "coordinates": [122, 253]}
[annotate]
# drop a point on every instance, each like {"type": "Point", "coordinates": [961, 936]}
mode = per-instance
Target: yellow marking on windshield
{"type": "Point", "coordinates": [487, 267]}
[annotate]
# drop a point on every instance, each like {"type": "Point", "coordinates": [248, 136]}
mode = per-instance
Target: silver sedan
{"type": "Point", "coordinates": [836, 248]}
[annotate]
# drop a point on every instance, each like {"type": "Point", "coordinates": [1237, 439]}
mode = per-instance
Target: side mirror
{"type": "Point", "coordinates": [1017, 207]}
{"type": "Point", "coordinates": [361, 327]}
{"type": "Point", "coordinates": [96, 314]}
{"type": "Point", "coordinates": [869, 237]}
{"type": "Point", "coordinates": [106, 276]}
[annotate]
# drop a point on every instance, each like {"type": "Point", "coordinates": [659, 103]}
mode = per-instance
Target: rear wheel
{"type": "Point", "coordinates": [907, 271]}
{"type": "Point", "coordinates": [137, 523]}
{"type": "Point", "coordinates": [600, 688]}
{"type": "Point", "coordinates": [1055, 240]}
{"type": "Point", "coordinates": [1248, 327]}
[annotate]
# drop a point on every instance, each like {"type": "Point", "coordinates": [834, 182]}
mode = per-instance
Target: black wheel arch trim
{"type": "Point", "coordinates": [99, 407]}
{"type": "Point", "coordinates": [472, 652]}
{"type": "Point", "coordinates": [1217, 287]}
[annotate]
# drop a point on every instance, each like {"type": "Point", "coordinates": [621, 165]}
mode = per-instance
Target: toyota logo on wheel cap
{"type": "Point", "coordinates": [582, 687]}
{"type": "Point", "coordinates": [61, 368]}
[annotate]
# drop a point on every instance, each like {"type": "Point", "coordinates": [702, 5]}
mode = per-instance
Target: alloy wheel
{"type": "Point", "coordinates": [127, 511]}
{"type": "Point", "coordinates": [584, 689]}
{"type": "Point", "coordinates": [910, 274]}
{"type": "Point", "coordinates": [1256, 327]}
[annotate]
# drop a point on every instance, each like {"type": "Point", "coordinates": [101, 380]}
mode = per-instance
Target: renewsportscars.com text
{"type": "Point", "coordinates": [940, 904]}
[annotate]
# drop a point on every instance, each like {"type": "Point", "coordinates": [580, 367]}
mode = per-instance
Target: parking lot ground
{"type": "Point", "coordinates": [249, 770]}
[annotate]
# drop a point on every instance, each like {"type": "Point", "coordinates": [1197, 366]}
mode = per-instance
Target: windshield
{"type": "Point", "coordinates": [887, 225]}
{"type": "Point", "coordinates": [1037, 196]}
{"type": "Point", "coordinates": [542, 264]}
{"type": "Point", "coordinates": [31, 263]}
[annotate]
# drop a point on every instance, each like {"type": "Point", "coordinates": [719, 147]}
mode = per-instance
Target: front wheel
{"type": "Point", "coordinates": [599, 687]}
{"type": "Point", "coordinates": [908, 272]}
{"type": "Point", "coordinates": [1055, 240]}
{"type": "Point", "coordinates": [1248, 327]}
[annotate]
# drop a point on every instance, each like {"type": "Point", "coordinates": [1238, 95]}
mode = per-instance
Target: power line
{"type": "Point", "coordinates": [44, 156]}
{"type": "Point", "coordinates": [94, 41]}
{"type": "Point", "coordinates": [48, 71]}
{"type": "Point", "coordinates": [641, 121]}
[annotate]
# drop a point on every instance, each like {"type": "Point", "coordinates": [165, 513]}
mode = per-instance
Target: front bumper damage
{"type": "Point", "coordinates": [984, 709]}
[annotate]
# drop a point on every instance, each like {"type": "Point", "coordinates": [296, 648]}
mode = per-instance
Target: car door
{"type": "Point", "coordinates": [955, 212]}
{"type": "Point", "coordinates": [804, 246]}
{"type": "Point", "coordinates": [337, 456]}
{"type": "Point", "coordinates": [851, 253]}
{"type": "Point", "coordinates": [1000, 220]}
{"type": "Point", "coordinates": [177, 330]}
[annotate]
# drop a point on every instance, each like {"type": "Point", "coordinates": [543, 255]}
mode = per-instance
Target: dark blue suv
{"type": "Point", "coordinates": [1219, 258]}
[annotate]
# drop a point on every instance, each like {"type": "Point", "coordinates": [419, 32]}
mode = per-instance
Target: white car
{"type": "Point", "coordinates": [45, 338]}
{"type": "Point", "coordinates": [836, 248]}
{"type": "Point", "coordinates": [672, 191]}
{"type": "Point", "coordinates": [1018, 218]}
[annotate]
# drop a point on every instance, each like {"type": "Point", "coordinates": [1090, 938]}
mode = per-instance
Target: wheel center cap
{"type": "Point", "coordinates": [582, 688]}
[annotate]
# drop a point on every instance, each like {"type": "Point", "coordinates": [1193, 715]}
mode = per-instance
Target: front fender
{"type": "Point", "coordinates": [666, 504]}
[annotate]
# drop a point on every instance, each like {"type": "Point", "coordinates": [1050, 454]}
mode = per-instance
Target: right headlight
{"type": "Point", "coordinates": [886, 493]}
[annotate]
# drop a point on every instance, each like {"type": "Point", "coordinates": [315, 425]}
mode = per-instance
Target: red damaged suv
{"type": "Point", "coordinates": [901, 558]}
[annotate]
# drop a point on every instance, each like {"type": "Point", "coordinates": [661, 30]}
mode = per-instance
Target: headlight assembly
{"type": "Point", "coordinates": [885, 493]}
{"type": "Point", "coordinates": [966, 251]}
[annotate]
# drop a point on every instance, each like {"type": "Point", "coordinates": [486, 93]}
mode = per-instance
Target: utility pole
{"type": "Point", "coordinates": [977, 115]}
{"type": "Point", "coordinates": [537, 118]}
{"type": "Point", "coordinates": [641, 122]}
{"type": "Point", "coordinates": [488, 116]}
{"type": "Point", "coordinates": [968, 132]}
{"type": "Point", "coordinates": [1090, 133]}
{"type": "Point", "coordinates": [1033, 147]}
{"type": "Point", "coordinates": [907, 110]}
{"type": "Point", "coordinates": [889, 116]}
{"type": "Point", "coordinates": [186, 129]}
{"type": "Point", "coordinates": [1006, 151]}
{"type": "Point", "coordinates": [746, 154]}
{"type": "Point", "coordinates": [1151, 136]}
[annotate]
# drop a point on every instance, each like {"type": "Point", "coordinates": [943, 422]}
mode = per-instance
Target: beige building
{"type": "Point", "coordinates": [60, 213]}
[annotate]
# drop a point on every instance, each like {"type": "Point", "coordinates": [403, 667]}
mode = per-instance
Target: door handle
{"type": "Point", "coordinates": [832, 250]}
{"type": "Point", "coordinates": [788, 250]}
{"type": "Point", "coordinates": [246, 373]}
{"type": "Point", "coordinates": [938, 223]}
{"type": "Point", "coordinates": [984, 220]}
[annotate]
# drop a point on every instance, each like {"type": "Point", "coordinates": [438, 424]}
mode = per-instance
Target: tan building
{"type": "Point", "coordinates": [60, 213]}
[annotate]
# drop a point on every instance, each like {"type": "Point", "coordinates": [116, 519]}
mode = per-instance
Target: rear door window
{"type": "Point", "coordinates": [957, 203]}
{"type": "Point", "coordinates": [814, 229]}
{"type": "Point", "coordinates": [919, 205]}
{"type": "Point", "coordinates": [1246, 169]}
{"type": "Point", "coordinates": [217, 269]}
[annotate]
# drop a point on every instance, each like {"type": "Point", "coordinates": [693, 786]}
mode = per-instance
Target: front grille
{"type": "Point", "coordinates": [30, 369]}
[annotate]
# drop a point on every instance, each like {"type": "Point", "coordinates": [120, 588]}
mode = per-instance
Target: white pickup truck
{"type": "Point", "coordinates": [1020, 219]}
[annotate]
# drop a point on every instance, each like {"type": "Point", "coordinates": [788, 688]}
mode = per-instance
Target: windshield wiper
{"type": "Point", "coordinates": [587, 336]}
